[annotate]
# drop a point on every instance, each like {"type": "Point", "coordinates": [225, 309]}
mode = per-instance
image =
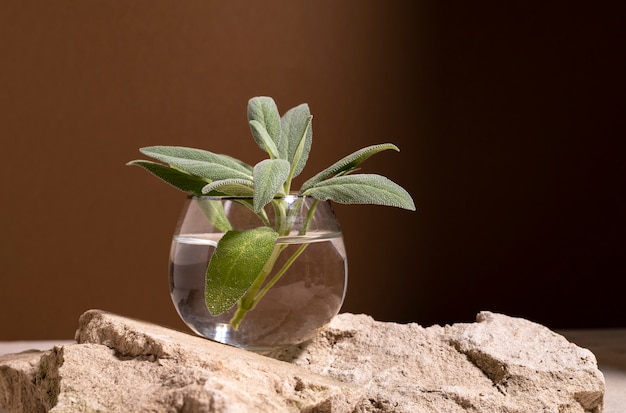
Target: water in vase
{"type": "Point", "coordinates": [309, 293]}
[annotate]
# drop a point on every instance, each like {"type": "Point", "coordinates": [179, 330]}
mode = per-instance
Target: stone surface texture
{"type": "Point", "coordinates": [498, 364]}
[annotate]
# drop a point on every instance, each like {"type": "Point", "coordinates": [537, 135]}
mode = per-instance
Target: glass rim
{"type": "Point", "coordinates": [289, 198]}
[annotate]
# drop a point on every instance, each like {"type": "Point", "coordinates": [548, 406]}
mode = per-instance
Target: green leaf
{"type": "Point", "coordinates": [231, 187]}
{"type": "Point", "coordinates": [178, 179]}
{"type": "Point", "coordinates": [347, 164]}
{"type": "Point", "coordinates": [211, 171]}
{"type": "Point", "coordinates": [263, 139]}
{"type": "Point", "coordinates": [262, 215]}
{"type": "Point", "coordinates": [298, 133]}
{"type": "Point", "coordinates": [198, 162]}
{"type": "Point", "coordinates": [269, 176]}
{"type": "Point", "coordinates": [237, 261]}
{"type": "Point", "coordinates": [173, 153]}
{"type": "Point", "coordinates": [263, 110]}
{"type": "Point", "coordinates": [362, 189]}
{"type": "Point", "coordinates": [214, 211]}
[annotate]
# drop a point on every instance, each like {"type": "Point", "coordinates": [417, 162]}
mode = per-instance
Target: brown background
{"type": "Point", "coordinates": [508, 119]}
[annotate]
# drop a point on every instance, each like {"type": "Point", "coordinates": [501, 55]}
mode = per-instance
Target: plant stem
{"type": "Point", "coordinates": [257, 291]}
{"type": "Point", "coordinates": [248, 302]}
{"type": "Point", "coordinates": [280, 273]}
{"type": "Point", "coordinates": [309, 218]}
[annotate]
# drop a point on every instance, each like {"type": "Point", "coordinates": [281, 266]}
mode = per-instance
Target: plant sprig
{"type": "Point", "coordinates": [287, 141]}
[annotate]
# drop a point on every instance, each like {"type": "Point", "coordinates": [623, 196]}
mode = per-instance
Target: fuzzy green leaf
{"type": "Point", "coordinates": [238, 259]}
{"type": "Point", "coordinates": [210, 171]}
{"type": "Point", "coordinates": [263, 110]}
{"type": "Point", "coordinates": [263, 139]}
{"type": "Point", "coordinates": [298, 134]}
{"type": "Point", "coordinates": [231, 187]}
{"type": "Point", "coordinates": [168, 154]}
{"type": "Point", "coordinates": [178, 179]}
{"type": "Point", "coordinates": [362, 189]}
{"type": "Point", "coordinates": [198, 162]}
{"type": "Point", "coordinates": [214, 212]}
{"type": "Point", "coordinates": [347, 164]}
{"type": "Point", "coordinates": [269, 176]}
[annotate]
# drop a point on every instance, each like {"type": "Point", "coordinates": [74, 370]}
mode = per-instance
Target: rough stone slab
{"type": "Point", "coordinates": [124, 365]}
{"type": "Point", "coordinates": [18, 391]}
{"type": "Point", "coordinates": [498, 364]}
{"type": "Point", "coordinates": [609, 346]}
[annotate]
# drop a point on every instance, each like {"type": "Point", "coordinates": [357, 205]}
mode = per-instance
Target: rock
{"type": "Point", "coordinates": [356, 364]}
{"type": "Point", "coordinates": [19, 391]}
{"type": "Point", "coordinates": [123, 365]}
{"type": "Point", "coordinates": [499, 364]}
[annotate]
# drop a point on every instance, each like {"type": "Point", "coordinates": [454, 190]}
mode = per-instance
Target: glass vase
{"type": "Point", "coordinates": [301, 293]}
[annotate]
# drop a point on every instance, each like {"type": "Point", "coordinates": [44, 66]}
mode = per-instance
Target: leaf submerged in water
{"type": "Point", "coordinates": [237, 261]}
